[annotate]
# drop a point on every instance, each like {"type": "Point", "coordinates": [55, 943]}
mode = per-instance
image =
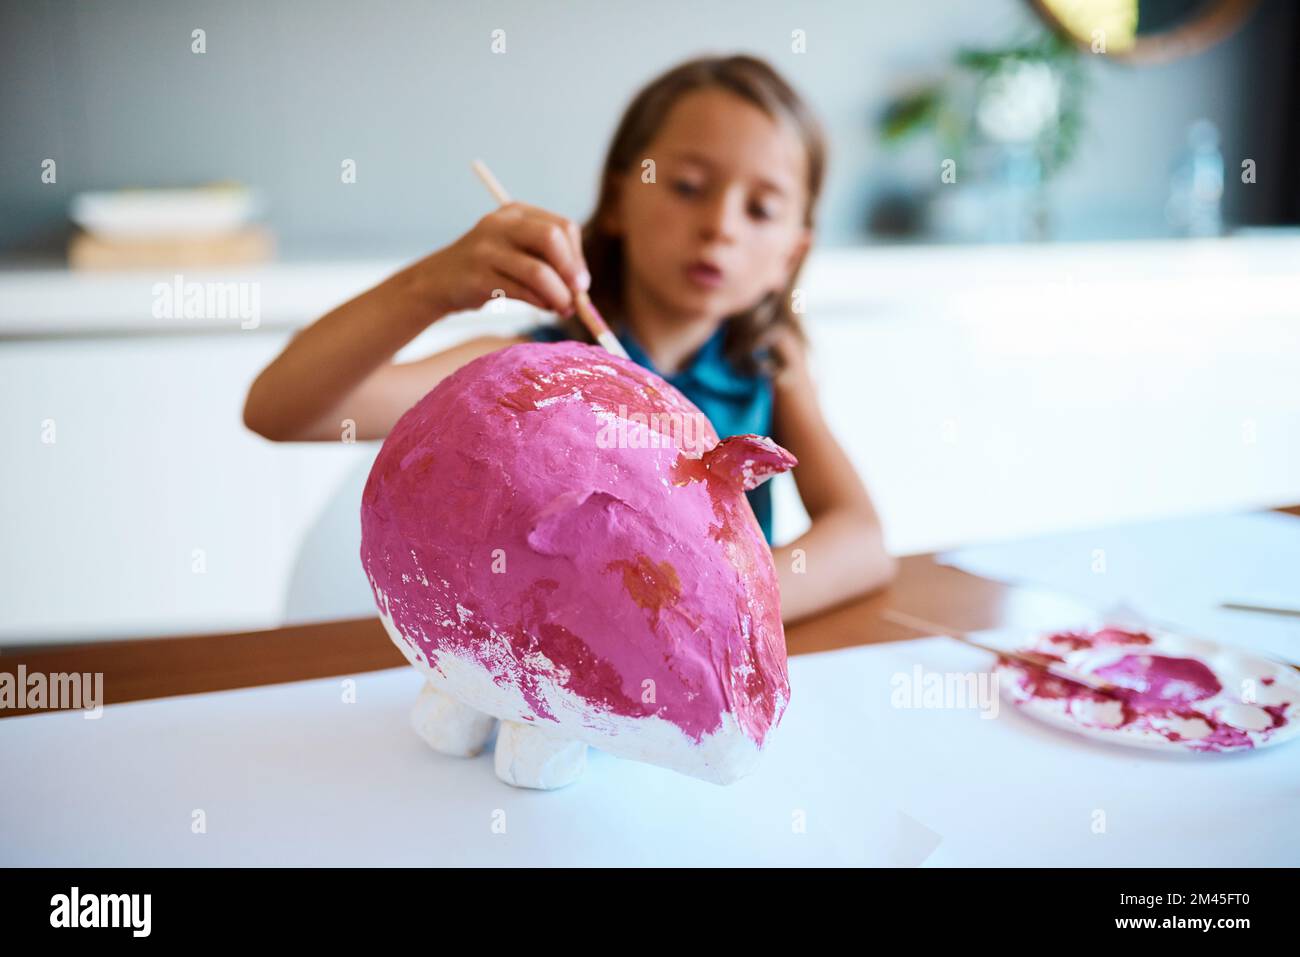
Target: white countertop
{"type": "Point", "coordinates": [1244, 273]}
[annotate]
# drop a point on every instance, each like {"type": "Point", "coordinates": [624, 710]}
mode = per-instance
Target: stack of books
{"type": "Point", "coordinates": [145, 228]}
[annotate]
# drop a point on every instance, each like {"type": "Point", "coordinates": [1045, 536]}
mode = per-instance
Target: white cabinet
{"type": "Point", "coordinates": [983, 393]}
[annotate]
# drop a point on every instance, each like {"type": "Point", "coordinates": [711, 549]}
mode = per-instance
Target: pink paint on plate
{"type": "Point", "coordinates": [1171, 691]}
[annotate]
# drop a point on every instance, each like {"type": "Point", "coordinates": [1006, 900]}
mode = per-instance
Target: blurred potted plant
{"type": "Point", "coordinates": [1009, 119]}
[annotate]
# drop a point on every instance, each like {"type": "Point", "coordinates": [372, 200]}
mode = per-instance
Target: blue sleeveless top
{"type": "Point", "coordinates": [735, 403]}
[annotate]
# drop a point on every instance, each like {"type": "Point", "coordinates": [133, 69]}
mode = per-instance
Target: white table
{"type": "Point", "coordinates": [291, 774]}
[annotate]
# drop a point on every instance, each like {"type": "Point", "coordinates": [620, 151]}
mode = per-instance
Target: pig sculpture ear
{"type": "Point", "coordinates": [747, 460]}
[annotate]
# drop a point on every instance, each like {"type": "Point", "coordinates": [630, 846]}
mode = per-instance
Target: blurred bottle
{"type": "Point", "coordinates": [1195, 206]}
{"type": "Point", "coordinates": [1018, 108]}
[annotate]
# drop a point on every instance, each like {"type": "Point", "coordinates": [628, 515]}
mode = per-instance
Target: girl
{"type": "Point", "coordinates": [704, 218]}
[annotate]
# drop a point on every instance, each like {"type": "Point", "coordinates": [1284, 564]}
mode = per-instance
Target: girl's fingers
{"type": "Point", "coordinates": [555, 239]}
{"type": "Point", "coordinates": [536, 276]}
{"type": "Point", "coordinates": [513, 290]}
{"type": "Point", "coordinates": [574, 233]}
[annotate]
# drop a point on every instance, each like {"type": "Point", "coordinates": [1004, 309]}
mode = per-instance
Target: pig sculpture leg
{"type": "Point", "coordinates": [530, 757]}
{"type": "Point", "coordinates": [448, 726]}
{"type": "Point", "coordinates": [526, 757]}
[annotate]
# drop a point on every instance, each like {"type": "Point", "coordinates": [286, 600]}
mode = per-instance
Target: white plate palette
{"type": "Point", "coordinates": [1174, 692]}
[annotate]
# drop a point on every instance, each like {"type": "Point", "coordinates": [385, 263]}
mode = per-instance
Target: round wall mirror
{"type": "Point", "coordinates": [1144, 31]}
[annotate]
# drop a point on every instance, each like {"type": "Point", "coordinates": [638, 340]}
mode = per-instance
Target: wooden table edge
{"type": "Point", "coordinates": [147, 668]}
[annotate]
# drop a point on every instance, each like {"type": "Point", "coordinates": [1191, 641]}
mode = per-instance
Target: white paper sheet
{"type": "Point", "coordinates": [292, 775]}
{"type": "Point", "coordinates": [1177, 572]}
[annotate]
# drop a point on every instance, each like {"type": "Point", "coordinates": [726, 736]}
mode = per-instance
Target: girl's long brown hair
{"type": "Point", "coordinates": [755, 81]}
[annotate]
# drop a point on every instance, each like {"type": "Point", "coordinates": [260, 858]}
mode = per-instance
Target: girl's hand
{"type": "Point", "coordinates": [789, 349]}
{"type": "Point", "coordinates": [517, 251]}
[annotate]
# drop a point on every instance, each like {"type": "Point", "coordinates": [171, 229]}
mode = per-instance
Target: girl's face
{"type": "Point", "coordinates": [722, 225]}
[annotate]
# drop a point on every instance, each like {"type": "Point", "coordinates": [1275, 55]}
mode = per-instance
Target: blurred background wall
{"type": "Point", "coordinates": [412, 92]}
{"type": "Point", "coordinates": [983, 392]}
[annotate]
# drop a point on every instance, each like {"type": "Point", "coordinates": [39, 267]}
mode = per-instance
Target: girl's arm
{"type": "Point", "coordinates": [341, 366]}
{"type": "Point", "coordinates": [844, 551]}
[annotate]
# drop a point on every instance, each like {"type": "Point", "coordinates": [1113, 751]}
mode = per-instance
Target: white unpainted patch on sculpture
{"type": "Point", "coordinates": [724, 756]}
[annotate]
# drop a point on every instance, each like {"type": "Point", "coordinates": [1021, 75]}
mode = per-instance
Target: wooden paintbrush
{"type": "Point", "coordinates": [1033, 659]}
{"type": "Point", "coordinates": [1261, 609]}
{"type": "Point", "coordinates": [592, 319]}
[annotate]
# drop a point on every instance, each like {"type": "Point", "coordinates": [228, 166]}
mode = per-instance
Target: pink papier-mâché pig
{"type": "Point", "coordinates": [557, 539]}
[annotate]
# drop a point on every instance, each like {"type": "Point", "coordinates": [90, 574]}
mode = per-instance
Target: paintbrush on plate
{"type": "Point", "coordinates": [1033, 659]}
{"type": "Point", "coordinates": [1176, 628]}
{"type": "Point", "coordinates": [592, 319]}
{"type": "Point", "coordinates": [1261, 609]}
